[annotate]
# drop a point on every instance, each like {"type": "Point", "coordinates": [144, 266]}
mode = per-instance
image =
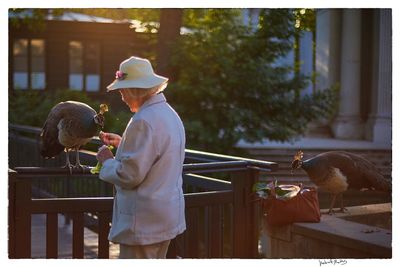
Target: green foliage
{"type": "Point", "coordinates": [305, 19]}
{"type": "Point", "coordinates": [32, 107]}
{"type": "Point", "coordinates": [36, 16]}
{"type": "Point", "coordinates": [229, 86]}
{"type": "Point", "coordinates": [272, 189]}
{"type": "Point", "coordinates": [34, 22]}
{"type": "Point", "coordinates": [116, 121]}
{"type": "Point", "coordinates": [142, 14]}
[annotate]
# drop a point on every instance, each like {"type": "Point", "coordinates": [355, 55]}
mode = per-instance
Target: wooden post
{"type": "Point", "coordinates": [215, 234]}
{"type": "Point", "coordinates": [77, 236]}
{"type": "Point", "coordinates": [192, 233]}
{"type": "Point", "coordinates": [245, 215]}
{"type": "Point", "coordinates": [22, 221]}
{"type": "Point", "coordinates": [103, 230]}
{"type": "Point", "coordinates": [52, 235]}
{"type": "Point", "coordinates": [11, 214]}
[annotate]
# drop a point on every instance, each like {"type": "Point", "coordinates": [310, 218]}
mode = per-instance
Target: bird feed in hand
{"type": "Point", "coordinates": [96, 169]}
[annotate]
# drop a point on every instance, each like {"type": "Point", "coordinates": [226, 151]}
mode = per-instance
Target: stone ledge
{"type": "Point", "coordinates": [348, 234]}
{"type": "Point", "coordinates": [363, 210]}
{"type": "Point", "coordinates": [333, 237]}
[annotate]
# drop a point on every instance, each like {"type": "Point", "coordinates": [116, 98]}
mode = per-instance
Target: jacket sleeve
{"type": "Point", "coordinates": [137, 155]}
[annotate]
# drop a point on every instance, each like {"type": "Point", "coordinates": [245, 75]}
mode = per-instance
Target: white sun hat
{"type": "Point", "coordinates": [136, 72]}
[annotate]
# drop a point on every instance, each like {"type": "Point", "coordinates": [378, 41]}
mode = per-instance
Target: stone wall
{"type": "Point", "coordinates": [333, 237]}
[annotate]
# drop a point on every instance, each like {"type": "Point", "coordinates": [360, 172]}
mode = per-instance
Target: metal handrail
{"type": "Point", "coordinates": [24, 128]}
{"type": "Point", "coordinates": [203, 157]}
{"type": "Point", "coordinates": [209, 167]}
{"type": "Point", "coordinates": [212, 157]}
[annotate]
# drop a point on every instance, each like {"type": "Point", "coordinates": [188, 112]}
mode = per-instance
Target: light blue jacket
{"type": "Point", "coordinates": [147, 174]}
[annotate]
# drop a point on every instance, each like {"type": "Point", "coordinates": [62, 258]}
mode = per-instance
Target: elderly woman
{"type": "Point", "coordinates": [147, 167]}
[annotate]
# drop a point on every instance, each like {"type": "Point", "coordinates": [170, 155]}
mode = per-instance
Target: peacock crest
{"type": "Point", "coordinates": [296, 163]}
{"type": "Point", "coordinates": [103, 109]}
{"type": "Point", "coordinates": [299, 155]}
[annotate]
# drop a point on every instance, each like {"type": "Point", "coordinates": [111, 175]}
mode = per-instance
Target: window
{"type": "Point", "coordinates": [84, 66]}
{"type": "Point", "coordinates": [38, 79]}
{"type": "Point", "coordinates": [20, 76]}
{"type": "Point", "coordinates": [75, 66]}
{"type": "Point", "coordinates": [29, 64]}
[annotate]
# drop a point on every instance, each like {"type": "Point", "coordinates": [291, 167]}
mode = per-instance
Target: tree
{"type": "Point", "coordinates": [170, 25]}
{"type": "Point", "coordinates": [229, 86]}
{"type": "Point", "coordinates": [33, 18]}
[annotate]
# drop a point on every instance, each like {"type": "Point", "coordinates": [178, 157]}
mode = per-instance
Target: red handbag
{"type": "Point", "coordinates": [303, 207]}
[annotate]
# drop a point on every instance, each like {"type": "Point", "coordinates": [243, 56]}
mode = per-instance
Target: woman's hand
{"type": "Point", "coordinates": [104, 153]}
{"type": "Point", "coordinates": [110, 138]}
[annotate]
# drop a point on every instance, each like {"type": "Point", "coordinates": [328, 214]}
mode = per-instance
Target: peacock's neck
{"type": "Point", "coordinates": [92, 127]}
{"type": "Point", "coordinates": [306, 165]}
{"type": "Point", "coordinates": [314, 169]}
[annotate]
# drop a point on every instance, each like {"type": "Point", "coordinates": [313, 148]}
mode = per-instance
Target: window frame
{"type": "Point", "coordinates": [29, 63]}
{"type": "Point", "coordinates": [85, 73]}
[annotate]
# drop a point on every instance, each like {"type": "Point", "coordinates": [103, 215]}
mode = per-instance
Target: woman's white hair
{"type": "Point", "coordinates": [141, 92]}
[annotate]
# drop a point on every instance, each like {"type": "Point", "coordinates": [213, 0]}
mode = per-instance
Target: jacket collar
{"type": "Point", "coordinates": [158, 98]}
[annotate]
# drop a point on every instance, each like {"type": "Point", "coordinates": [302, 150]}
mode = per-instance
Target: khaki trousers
{"type": "Point", "coordinates": [152, 251]}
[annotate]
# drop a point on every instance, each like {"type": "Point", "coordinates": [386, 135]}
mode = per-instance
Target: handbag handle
{"type": "Point", "coordinates": [273, 192]}
{"type": "Point", "coordinates": [301, 185]}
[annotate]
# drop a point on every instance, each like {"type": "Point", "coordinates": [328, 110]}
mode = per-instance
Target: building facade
{"type": "Point", "coordinates": [79, 54]}
{"type": "Point", "coordinates": [354, 50]}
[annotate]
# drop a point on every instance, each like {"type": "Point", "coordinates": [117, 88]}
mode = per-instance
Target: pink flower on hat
{"type": "Point", "coordinates": [120, 75]}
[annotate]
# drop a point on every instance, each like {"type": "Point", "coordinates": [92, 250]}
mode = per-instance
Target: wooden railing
{"type": "Point", "coordinates": [22, 206]}
{"type": "Point", "coordinates": [222, 220]}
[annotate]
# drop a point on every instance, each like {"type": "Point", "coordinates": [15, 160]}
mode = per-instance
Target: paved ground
{"type": "Point", "coordinates": [64, 239]}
